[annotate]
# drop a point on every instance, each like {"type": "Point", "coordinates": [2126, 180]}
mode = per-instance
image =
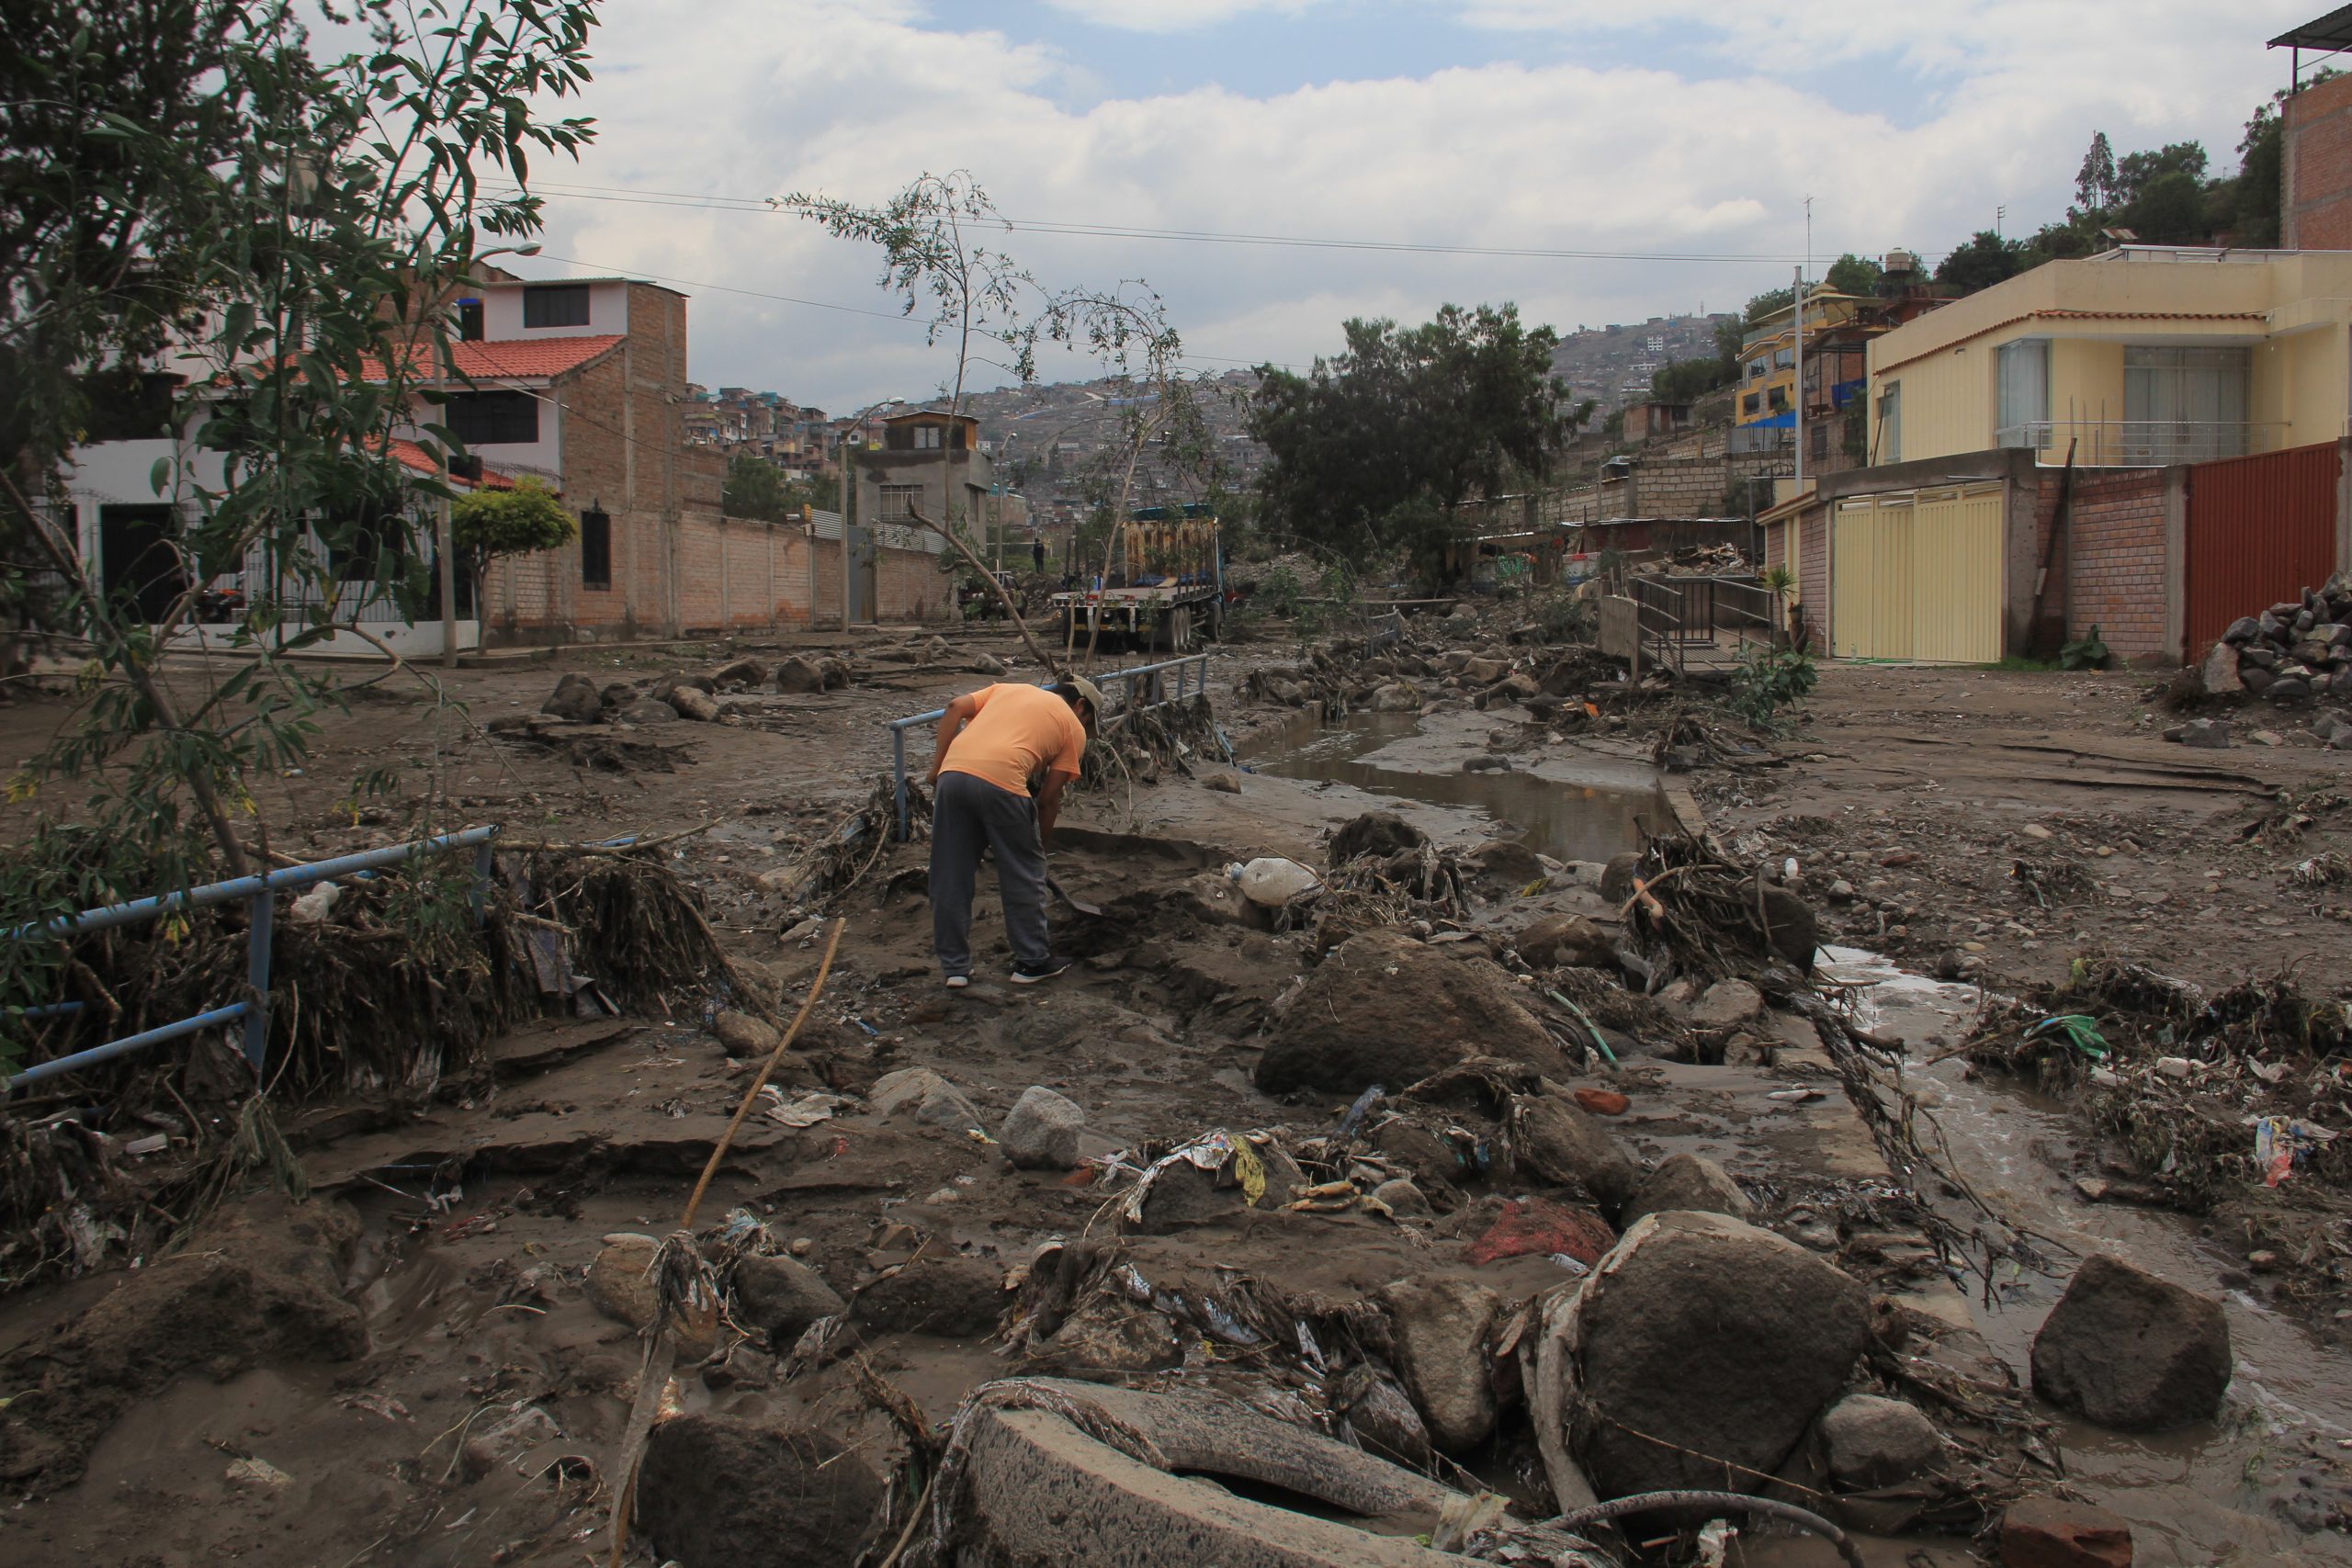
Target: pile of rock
{"type": "Point", "coordinates": [689, 694]}
{"type": "Point", "coordinates": [2291, 652]}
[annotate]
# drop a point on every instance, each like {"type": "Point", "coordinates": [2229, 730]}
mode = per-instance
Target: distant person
{"type": "Point", "coordinates": [1036, 555]}
{"type": "Point", "coordinates": [1003, 756]}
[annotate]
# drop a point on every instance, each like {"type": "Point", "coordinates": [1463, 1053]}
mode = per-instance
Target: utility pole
{"type": "Point", "coordinates": [443, 541]}
{"type": "Point", "coordinates": [1797, 394]}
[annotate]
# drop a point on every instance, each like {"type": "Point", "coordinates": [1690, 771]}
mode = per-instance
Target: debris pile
{"type": "Point", "coordinates": [2291, 652]}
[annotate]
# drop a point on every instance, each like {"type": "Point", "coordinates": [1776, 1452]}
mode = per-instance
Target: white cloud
{"type": "Point", "coordinates": [1170, 16]}
{"type": "Point", "coordinates": [741, 97]}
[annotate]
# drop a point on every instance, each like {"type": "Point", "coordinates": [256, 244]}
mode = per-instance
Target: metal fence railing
{"type": "Point", "coordinates": [1140, 687]}
{"type": "Point", "coordinates": [259, 894]}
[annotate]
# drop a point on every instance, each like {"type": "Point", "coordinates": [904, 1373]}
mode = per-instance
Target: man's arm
{"type": "Point", "coordinates": [959, 714]}
{"type": "Point", "coordinates": [1049, 807]}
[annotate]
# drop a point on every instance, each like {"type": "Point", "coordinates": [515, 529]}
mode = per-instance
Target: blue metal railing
{"type": "Point", "coordinates": [259, 893]}
{"type": "Point", "coordinates": [1193, 667]}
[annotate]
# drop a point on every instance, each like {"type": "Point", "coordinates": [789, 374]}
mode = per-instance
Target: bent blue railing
{"type": "Point", "coordinates": [1192, 679]}
{"type": "Point", "coordinates": [259, 893]}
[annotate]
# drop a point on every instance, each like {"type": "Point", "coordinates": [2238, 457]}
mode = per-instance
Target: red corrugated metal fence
{"type": "Point", "coordinates": [2261, 530]}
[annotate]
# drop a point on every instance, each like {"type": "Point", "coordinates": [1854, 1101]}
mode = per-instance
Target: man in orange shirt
{"type": "Point", "coordinates": [1004, 754]}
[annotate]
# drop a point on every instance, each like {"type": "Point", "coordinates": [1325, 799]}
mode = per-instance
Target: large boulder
{"type": "Point", "coordinates": [575, 697]}
{"type": "Point", "coordinates": [925, 1095]}
{"type": "Point", "coordinates": [798, 674]}
{"type": "Point", "coordinates": [1556, 1142]}
{"type": "Point", "coordinates": [1376, 833]}
{"type": "Point", "coordinates": [1442, 1327]}
{"type": "Point", "coordinates": [1383, 1009]}
{"type": "Point", "coordinates": [1505, 863]}
{"type": "Point", "coordinates": [720, 1492]}
{"type": "Point", "coordinates": [1041, 1131]}
{"type": "Point", "coordinates": [1567, 942]}
{"type": "Point", "coordinates": [782, 1296]}
{"type": "Point", "coordinates": [1691, 1183]}
{"type": "Point", "coordinates": [1701, 1350]}
{"type": "Point", "coordinates": [2130, 1351]}
{"type": "Point", "coordinates": [1396, 697]}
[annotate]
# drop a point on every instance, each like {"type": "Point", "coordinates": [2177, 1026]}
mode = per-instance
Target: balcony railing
{"type": "Point", "coordinates": [2144, 443]}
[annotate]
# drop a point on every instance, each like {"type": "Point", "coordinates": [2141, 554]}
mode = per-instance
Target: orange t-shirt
{"type": "Point", "coordinates": [1017, 730]}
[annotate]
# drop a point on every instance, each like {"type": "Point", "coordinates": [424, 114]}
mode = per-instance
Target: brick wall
{"type": "Point", "coordinates": [2317, 168]}
{"type": "Point", "coordinates": [2111, 567]}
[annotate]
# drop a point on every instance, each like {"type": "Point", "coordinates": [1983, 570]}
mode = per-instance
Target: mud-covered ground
{"type": "Point", "coordinates": [413, 1370]}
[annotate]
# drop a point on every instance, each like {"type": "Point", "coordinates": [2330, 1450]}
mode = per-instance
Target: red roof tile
{"type": "Point", "coordinates": [410, 456]}
{"type": "Point", "coordinates": [516, 359]}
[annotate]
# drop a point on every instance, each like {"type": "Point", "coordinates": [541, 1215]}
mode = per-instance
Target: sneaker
{"type": "Point", "coordinates": [958, 982]}
{"type": "Point", "coordinates": [1030, 973]}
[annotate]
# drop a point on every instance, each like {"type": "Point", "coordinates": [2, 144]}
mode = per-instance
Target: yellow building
{"type": "Point", "coordinates": [1765, 400]}
{"type": "Point", "coordinates": [2143, 355]}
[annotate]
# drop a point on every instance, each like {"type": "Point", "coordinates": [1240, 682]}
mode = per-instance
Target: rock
{"type": "Point", "coordinates": [1793, 929]}
{"type": "Point", "coordinates": [2289, 688]}
{"type": "Point", "coordinates": [693, 703]}
{"type": "Point", "coordinates": [618, 1282]}
{"type": "Point", "coordinates": [1841, 892]}
{"type": "Point", "coordinates": [1403, 1198]}
{"type": "Point", "coordinates": [1617, 877]}
{"type": "Point", "coordinates": [1727, 1004]}
{"type": "Point", "coordinates": [1486, 762]}
{"type": "Point", "coordinates": [2048, 1532]}
{"type": "Point", "coordinates": [1703, 1348]}
{"type": "Point", "coordinates": [257, 1472]}
{"type": "Point", "coordinates": [1871, 1442]}
{"type": "Point", "coordinates": [952, 1298]}
{"type": "Point", "coordinates": [1382, 1416]}
{"type": "Point", "coordinates": [1555, 1141]}
{"type": "Point", "coordinates": [894, 656]}
{"type": "Point", "coordinates": [936, 649]}
{"type": "Point", "coordinates": [1223, 783]}
{"type": "Point", "coordinates": [2242, 630]}
{"type": "Point", "coordinates": [575, 697]}
{"type": "Point", "coordinates": [1383, 1009]}
{"type": "Point", "coordinates": [782, 1296]}
{"type": "Point", "coordinates": [718, 1490]}
{"type": "Point", "coordinates": [647, 710]}
{"type": "Point", "coordinates": [925, 1095]}
{"type": "Point", "coordinates": [1507, 864]}
{"type": "Point", "coordinates": [1484, 671]}
{"type": "Point", "coordinates": [1108, 1335]}
{"type": "Point", "coordinates": [2218, 676]}
{"type": "Point", "coordinates": [1041, 1131]}
{"type": "Point", "coordinates": [1381, 833]}
{"type": "Point", "coordinates": [745, 1035]}
{"type": "Point", "coordinates": [986, 664]}
{"type": "Point", "coordinates": [1540, 1226]}
{"type": "Point", "coordinates": [835, 671]}
{"type": "Point", "coordinates": [1688, 1183]}
{"type": "Point", "coordinates": [1440, 1330]}
{"type": "Point", "coordinates": [798, 674]}
{"type": "Point", "coordinates": [2130, 1351]}
{"type": "Point", "coordinates": [619, 694]}
{"type": "Point", "coordinates": [1396, 697]}
{"type": "Point", "coordinates": [1603, 1102]}
{"type": "Point", "coordinates": [2256, 679]}
{"type": "Point", "coordinates": [740, 672]}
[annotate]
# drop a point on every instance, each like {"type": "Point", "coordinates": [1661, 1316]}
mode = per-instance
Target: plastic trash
{"type": "Point", "coordinates": [316, 905]}
{"type": "Point", "coordinates": [1272, 880]}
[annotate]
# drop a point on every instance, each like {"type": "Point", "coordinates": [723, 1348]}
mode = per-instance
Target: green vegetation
{"type": "Point", "coordinates": [1771, 678]}
{"type": "Point", "coordinates": [490, 525]}
{"type": "Point", "coordinates": [1372, 451]}
{"type": "Point", "coordinates": [758, 490]}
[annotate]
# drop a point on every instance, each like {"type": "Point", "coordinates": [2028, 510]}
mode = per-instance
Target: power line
{"type": "Point", "coordinates": [763, 205]}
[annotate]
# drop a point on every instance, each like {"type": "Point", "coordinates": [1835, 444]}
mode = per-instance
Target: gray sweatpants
{"type": "Point", "coordinates": [968, 815]}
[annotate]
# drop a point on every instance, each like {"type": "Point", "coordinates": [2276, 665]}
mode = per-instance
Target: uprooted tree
{"type": "Point", "coordinates": [1370, 452]}
{"type": "Point", "coordinates": [200, 199]}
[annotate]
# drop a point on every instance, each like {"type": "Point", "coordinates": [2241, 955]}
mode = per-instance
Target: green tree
{"type": "Point", "coordinates": [1851, 273]}
{"type": "Point", "coordinates": [1372, 451]}
{"type": "Point", "coordinates": [2095, 181]}
{"type": "Point", "coordinates": [757, 488]}
{"type": "Point", "coordinates": [203, 173]}
{"type": "Point", "coordinates": [1985, 260]}
{"type": "Point", "coordinates": [490, 525]}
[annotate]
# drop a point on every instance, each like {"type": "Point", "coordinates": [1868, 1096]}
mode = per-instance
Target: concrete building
{"type": "Point", "coordinates": [927, 462]}
{"type": "Point", "coordinates": [2141, 355]}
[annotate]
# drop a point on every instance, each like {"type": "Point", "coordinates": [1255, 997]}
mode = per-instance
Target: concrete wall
{"type": "Point", "coordinates": [2316, 172]}
{"type": "Point", "coordinates": [502, 310]}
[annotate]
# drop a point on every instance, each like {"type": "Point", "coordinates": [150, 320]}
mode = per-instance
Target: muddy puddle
{"type": "Point", "coordinates": [2198, 1496]}
{"type": "Point", "coordinates": [1583, 807]}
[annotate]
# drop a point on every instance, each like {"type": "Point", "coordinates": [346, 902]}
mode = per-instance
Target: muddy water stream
{"type": "Point", "coordinates": [1579, 806]}
{"type": "Point", "coordinates": [2197, 1496]}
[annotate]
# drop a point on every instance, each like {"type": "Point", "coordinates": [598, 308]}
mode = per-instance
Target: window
{"type": "Point", "coordinates": [898, 501]}
{"type": "Point", "coordinates": [2184, 405]}
{"type": "Point", "coordinates": [1752, 403]}
{"type": "Point", "coordinates": [1783, 357]}
{"type": "Point", "coordinates": [926, 438]}
{"type": "Point", "coordinates": [595, 548]}
{"type": "Point", "coordinates": [2022, 370]}
{"type": "Point", "coordinates": [1820, 436]}
{"type": "Point", "coordinates": [468, 321]}
{"type": "Point", "coordinates": [492, 419]}
{"type": "Point", "coordinates": [1889, 423]}
{"type": "Point", "coordinates": [556, 305]}
{"type": "Point", "coordinates": [1756, 368]}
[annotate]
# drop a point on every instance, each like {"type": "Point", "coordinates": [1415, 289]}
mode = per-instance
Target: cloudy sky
{"type": "Point", "coordinates": [1661, 151]}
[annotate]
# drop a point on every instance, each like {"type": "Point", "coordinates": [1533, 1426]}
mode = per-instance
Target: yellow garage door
{"type": "Point", "coordinates": [1870, 606]}
{"type": "Point", "coordinates": [1919, 577]}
